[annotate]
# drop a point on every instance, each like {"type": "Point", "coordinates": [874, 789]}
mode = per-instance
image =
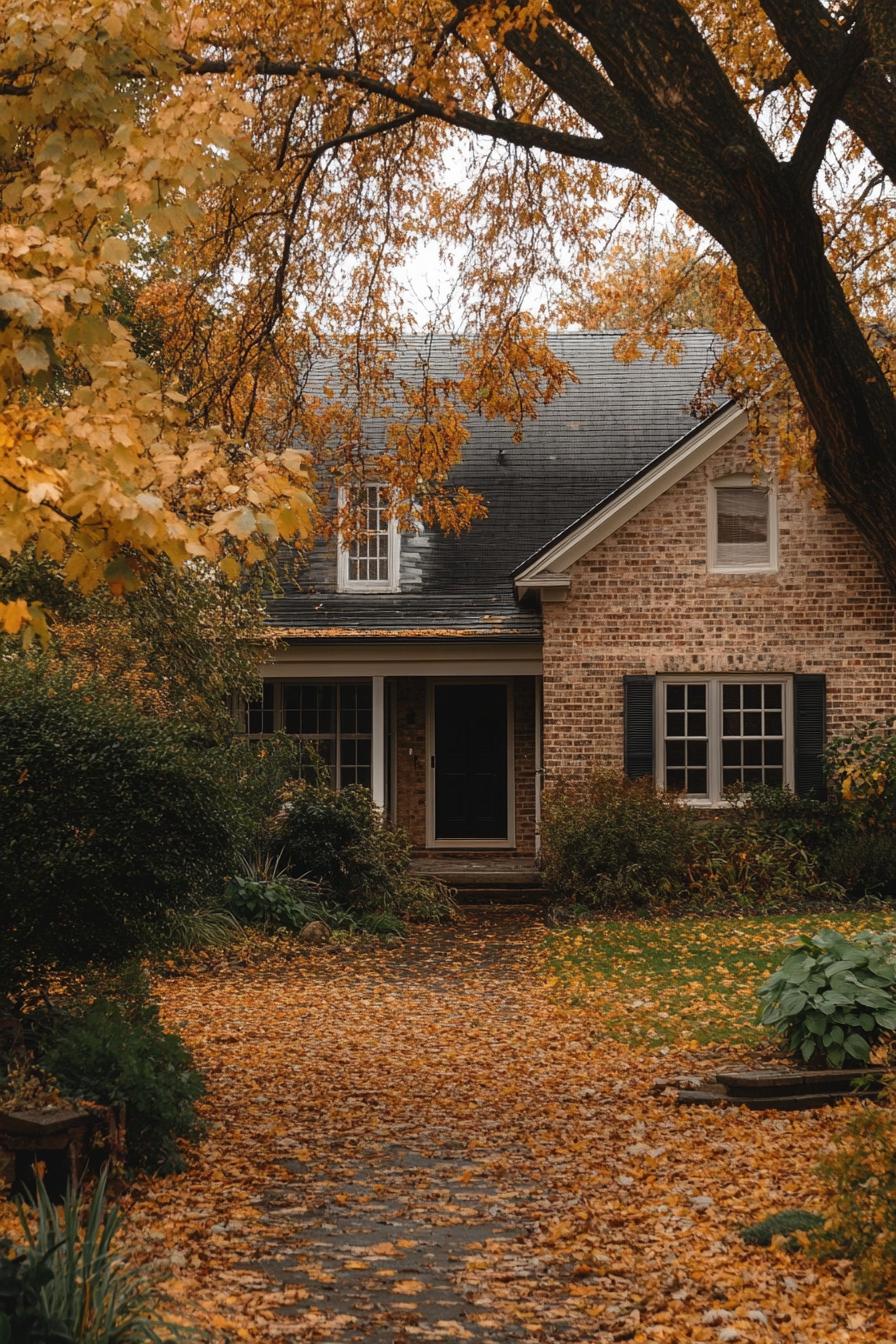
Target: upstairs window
{"type": "Point", "coordinates": [368, 562]}
{"type": "Point", "coordinates": [742, 526]}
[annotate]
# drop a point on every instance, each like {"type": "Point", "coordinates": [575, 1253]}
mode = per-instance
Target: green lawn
{"type": "Point", "coordinates": [688, 982]}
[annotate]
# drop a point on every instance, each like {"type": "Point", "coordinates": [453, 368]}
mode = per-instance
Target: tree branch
{"type": "Point", "coordinates": [826, 109]}
{"type": "Point", "coordinates": [806, 30]}
{"type": "Point", "coordinates": [526, 135]}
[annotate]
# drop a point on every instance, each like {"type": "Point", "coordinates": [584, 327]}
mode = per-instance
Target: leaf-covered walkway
{"type": "Point", "coordinates": [418, 1143]}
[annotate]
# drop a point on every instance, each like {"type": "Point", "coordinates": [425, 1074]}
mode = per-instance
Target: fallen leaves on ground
{"type": "Point", "coordinates": [422, 1142]}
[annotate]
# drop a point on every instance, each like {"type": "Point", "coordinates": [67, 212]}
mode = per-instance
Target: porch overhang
{"type": "Point", "coordinates": [381, 655]}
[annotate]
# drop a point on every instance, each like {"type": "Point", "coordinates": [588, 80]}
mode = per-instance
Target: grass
{"type": "Point", "coordinates": [689, 981]}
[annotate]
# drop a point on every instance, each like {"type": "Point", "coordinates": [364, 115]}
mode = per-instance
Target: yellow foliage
{"type": "Point", "coordinates": [258, 175]}
{"type": "Point", "coordinates": [102, 464]}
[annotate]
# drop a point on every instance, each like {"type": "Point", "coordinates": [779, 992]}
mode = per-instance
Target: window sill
{"type": "Point", "coordinates": [749, 570]}
{"type": "Point", "coordinates": [706, 804]}
{"type": "Point", "coordinates": [369, 588]}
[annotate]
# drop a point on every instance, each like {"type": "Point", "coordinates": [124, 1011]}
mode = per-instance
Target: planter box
{"type": "Point", "coordinates": [60, 1140]}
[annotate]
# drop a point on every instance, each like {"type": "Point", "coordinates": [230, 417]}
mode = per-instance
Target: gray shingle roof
{"type": "Point", "coordinates": [594, 437]}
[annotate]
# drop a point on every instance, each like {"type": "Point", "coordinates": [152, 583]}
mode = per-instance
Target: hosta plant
{"type": "Point", "coordinates": [833, 999]}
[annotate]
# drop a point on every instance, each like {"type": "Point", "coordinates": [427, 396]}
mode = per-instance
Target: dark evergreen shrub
{"type": "Point", "coordinates": [610, 843]}
{"type": "Point", "coordinates": [339, 841]}
{"type": "Point", "coordinates": [109, 818]}
{"type": "Point", "coordinates": [116, 1051]}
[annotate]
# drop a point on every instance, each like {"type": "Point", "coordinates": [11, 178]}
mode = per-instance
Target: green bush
{"type": "Point", "coordinates": [338, 841]}
{"type": "Point", "coordinates": [66, 1282]}
{"type": "Point", "coordinates": [610, 843]}
{"type": "Point", "coordinates": [859, 1194]}
{"type": "Point", "coordinates": [862, 768]}
{"type": "Point", "coordinates": [259, 770]}
{"type": "Point", "coordinates": [861, 861]}
{"type": "Point", "coordinates": [109, 819]}
{"type": "Point", "coordinates": [116, 1051]}
{"type": "Point", "coordinates": [265, 893]}
{"type": "Point", "coordinates": [833, 999]}
{"type": "Point", "coordinates": [742, 863]}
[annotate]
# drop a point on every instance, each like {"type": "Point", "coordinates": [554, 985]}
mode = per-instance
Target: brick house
{"type": "Point", "coordinates": [637, 597]}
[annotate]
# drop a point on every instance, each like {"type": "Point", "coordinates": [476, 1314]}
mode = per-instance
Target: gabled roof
{"type": "Point", "coordinates": [628, 499]}
{"type": "Point", "coordinates": [583, 448]}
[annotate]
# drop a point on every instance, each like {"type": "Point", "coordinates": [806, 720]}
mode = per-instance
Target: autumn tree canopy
{"type": "Point", "coordinates": [727, 161]}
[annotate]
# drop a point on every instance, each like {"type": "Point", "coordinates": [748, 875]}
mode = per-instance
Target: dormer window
{"type": "Point", "coordinates": [368, 562]}
{"type": "Point", "coordinates": [742, 525]}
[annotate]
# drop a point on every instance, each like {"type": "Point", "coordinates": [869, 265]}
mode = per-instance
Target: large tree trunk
{"type": "Point", "coordinates": [846, 396]}
{"type": "Point", "coordinates": [784, 272]}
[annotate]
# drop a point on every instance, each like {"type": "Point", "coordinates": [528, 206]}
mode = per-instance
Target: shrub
{"type": "Point", "coordinates": [859, 1194]}
{"type": "Point", "coordinates": [610, 843]}
{"type": "Point", "coordinates": [66, 1283]}
{"type": "Point", "coordinates": [259, 770]}
{"type": "Point", "coordinates": [806, 822]}
{"type": "Point", "coordinates": [833, 999]}
{"type": "Point", "coordinates": [265, 893]}
{"type": "Point", "coordinates": [109, 818]}
{"type": "Point", "coordinates": [116, 1051]}
{"type": "Point", "coordinates": [861, 861]}
{"type": "Point", "coordinates": [862, 766]}
{"type": "Point", "coordinates": [744, 864]}
{"type": "Point", "coordinates": [340, 842]}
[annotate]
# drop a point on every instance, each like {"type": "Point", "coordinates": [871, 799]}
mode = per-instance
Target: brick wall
{"type": "Point", "coordinates": [644, 602]}
{"type": "Point", "coordinates": [412, 763]}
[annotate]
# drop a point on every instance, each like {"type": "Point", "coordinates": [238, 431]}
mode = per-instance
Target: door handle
{"type": "Point", "coordinates": [432, 762]}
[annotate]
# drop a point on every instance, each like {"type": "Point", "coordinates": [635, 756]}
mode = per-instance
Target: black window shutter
{"type": "Point", "coordinates": [638, 726]}
{"type": "Point", "coordinates": [809, 735]}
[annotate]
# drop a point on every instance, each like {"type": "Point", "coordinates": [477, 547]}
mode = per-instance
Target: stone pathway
{"type": "Point", "coordinates": [387, 1251]}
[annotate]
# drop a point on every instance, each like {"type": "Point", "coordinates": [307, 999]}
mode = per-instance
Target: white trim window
{"type": "Point", "coordinates": [368, 562]}
{"type": "Point", "coordinates": [717, 734]}
{"type": "Point", "coordinates": [334, 719]}
{"type": "Point", "coordinates": [743, 525]}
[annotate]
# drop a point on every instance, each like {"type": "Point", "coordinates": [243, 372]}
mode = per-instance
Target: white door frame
{"type": "Point", "coordinates": [431, 841]}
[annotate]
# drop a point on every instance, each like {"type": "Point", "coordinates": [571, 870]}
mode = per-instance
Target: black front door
{"type": "Point", "coordinates": [470, 763]}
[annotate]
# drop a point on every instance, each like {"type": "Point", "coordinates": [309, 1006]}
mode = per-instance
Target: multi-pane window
{"type": "Point", "coordinates": [309, 712]}
{"type": "Point", "coordinates": [752, 733]}
{"type": "Point", "coordinates": [355, 733]}
{"type": "Point", "coordinates": [260, 712]}
{"type": "Point", "coordinates": [334, 721]}
{"type": "Point", "coordinates": [742, 526]}
{"type": "Point", "coordinates": [722, 733]}
{"type": "Point", "coordinates": [687, 738]}
{"type": "Point", "coordinates": [368, 559]}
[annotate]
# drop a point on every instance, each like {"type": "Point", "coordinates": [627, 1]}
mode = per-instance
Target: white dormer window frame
{"type": "Point", "coordinates": [722, 557]}
{"type": "Point", "coordinates": [359, 554]}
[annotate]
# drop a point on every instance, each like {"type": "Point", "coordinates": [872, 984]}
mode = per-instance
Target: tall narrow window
{"type": "Point", "coordinates": [687, 733]}
{"type": "Point", "coordinates": [368, 561]}
{"type": "Point", "coordinates": [260, 712]}
{"type": "Point", "coordinates": [742, 525]}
